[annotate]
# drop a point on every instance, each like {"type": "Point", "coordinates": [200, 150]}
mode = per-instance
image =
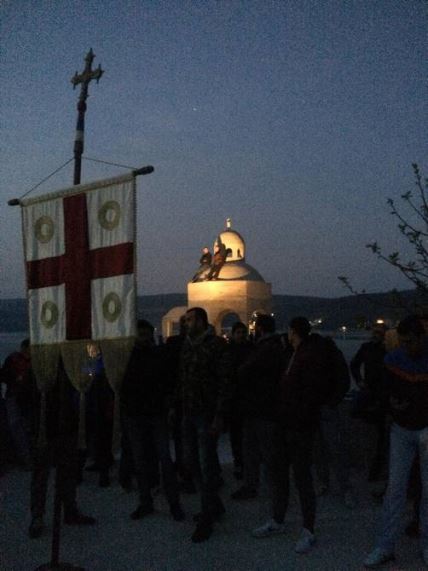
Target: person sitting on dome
{"type": "Point", "coordinates": [204, 264]}
{"type": "Point", "coordinates": [219, 258]}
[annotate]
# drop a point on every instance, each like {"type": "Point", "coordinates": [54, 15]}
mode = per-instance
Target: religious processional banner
{"type": "Point", "coordinates": [80, 263]}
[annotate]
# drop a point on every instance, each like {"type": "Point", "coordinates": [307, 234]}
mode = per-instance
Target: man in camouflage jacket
{"type": "Point", "coordinates": [205, 392]}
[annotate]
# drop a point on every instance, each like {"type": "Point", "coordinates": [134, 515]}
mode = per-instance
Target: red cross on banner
{"type": "Point", "coordinates": [78, 266]}
{"type": "Point", "coordinates": [80, 263]}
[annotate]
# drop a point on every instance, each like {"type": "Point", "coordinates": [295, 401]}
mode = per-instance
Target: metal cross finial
{"type": "Point", "coordinates": [88, 73]}
{"type": "Point", "coordinates": [228, 223]}
{"type": "Point", "coordinates": [84, 78]}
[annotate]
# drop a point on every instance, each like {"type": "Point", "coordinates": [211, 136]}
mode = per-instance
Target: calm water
{"type": "Point", "coordinates": [350, 346]}
{"type": "Point", "coordinates": [10, 342]}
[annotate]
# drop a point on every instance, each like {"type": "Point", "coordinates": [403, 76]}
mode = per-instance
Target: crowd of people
{"type": "Point", "coordinates": [279, 396]}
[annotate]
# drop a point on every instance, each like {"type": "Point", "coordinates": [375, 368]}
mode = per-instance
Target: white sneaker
{"type": "Point", "coordinates": [305, 541]}
{"type": "Point", "coordinates": [269, 528]}
{"type": "Point", "coordinates": [377, 558]}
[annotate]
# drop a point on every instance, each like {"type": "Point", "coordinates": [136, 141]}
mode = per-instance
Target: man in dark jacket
{"type": "Point", "coordinates": [174, 345]}
{"type": "Point", "coordinates": [240, 350]}
{"type": "Point", "coordinates": [144, 400]}
{"type": "Point", "coordinates": [303, 390]}
{"type": "Point", "coordinates": [407, 385]}
{"type": "Point", "coordinates": [16, 375]}
{"type": "Point", "coordinates": [258, 394]}
{"type": "Point", "coordinates": [367, 371]}
{"type": "Point", "coordinates": [205, 392]}
{"type": "Point", "coordinates": [204, 264]}
{"type": "Point", "coordinates": [332, 442]}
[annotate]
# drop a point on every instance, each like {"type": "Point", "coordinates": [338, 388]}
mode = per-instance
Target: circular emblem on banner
{"type": "Point", "coordinates": [112, 306]}
{"type": "Point", "coordinates": [49, 314]}
{"type": "Point", "coordinates": [44, 229]}
{"type": "Point", "coordinates": [109, 215]}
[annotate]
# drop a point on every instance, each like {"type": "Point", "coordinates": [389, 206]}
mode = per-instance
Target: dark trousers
{"type": "Point", "coordinates": [126, 464]}
{"type": "Point", "coordinates": [200, 452]}
{"type": "Point", "coordinates": [6, 447]}
{"type": "Point", "coordinates": [214, 271]}
{"type": "Point", "coordinates": [379, 464]}
{"type": "Point", "coordinates": [65, 457]}
{"type": "Point", "coordinates": [203, 268]}
{"type": "Point", "coordinates": [103, 443]}
{"type": "Point", "coordinates": [19, 422]}
{"type": "Point", "coordinates": [236, 439]}
{"type": "Point", "coordinates": [259, 446]}
{"type": "Point", "coordinates": [177, 436]}
{"type": "Point", "coordinates": [149, 442]}
{"type": "Point", "coordinates": [99, 423]}
{"type": "Point", "coordinates": [332, 448]}
{"type": "Point", "coordinates": [294, 450]}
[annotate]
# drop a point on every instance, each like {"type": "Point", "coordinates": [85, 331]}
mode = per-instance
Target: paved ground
{"type": "Point", "coordinates": [157, 543]}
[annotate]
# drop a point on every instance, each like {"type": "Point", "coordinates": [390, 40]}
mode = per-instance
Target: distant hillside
{"type": "Point", "coordinates": [154, 307]}
{"type": "Point", "coordinates": [352, 311]}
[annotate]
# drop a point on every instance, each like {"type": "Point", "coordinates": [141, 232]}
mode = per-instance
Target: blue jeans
{"type": "Point", "coordinates": [404, 446]}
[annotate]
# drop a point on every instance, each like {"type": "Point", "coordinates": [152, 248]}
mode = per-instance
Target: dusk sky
{"type": "Point", "coordinates": [296, 118]}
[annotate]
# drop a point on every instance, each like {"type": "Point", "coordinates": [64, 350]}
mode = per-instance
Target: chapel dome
{"type": "Point", "coordinates": [235, 267]}
{"type": "Point", "coordinates": [233, 242]}
{"type": "Point", "coordinates": [240, 270]}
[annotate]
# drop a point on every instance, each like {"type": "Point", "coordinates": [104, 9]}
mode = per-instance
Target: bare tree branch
{"type": "Point", "coordinates": [416, 270]}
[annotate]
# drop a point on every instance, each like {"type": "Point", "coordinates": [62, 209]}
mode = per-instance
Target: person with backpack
{"type": "Point", "coordinates": [331, 444]}
{"type": "Point", "coordinates": [303, 390]}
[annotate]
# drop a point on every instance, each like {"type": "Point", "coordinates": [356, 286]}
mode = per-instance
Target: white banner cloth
{"type": "Point", "coordinates": [79, 253]}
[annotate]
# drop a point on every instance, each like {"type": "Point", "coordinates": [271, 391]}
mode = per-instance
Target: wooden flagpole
{"type": "Point", "coordinates": [84, 79]}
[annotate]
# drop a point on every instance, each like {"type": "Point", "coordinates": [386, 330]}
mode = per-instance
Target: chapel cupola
{"type": "Point", "coordinates": [234, 242]}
